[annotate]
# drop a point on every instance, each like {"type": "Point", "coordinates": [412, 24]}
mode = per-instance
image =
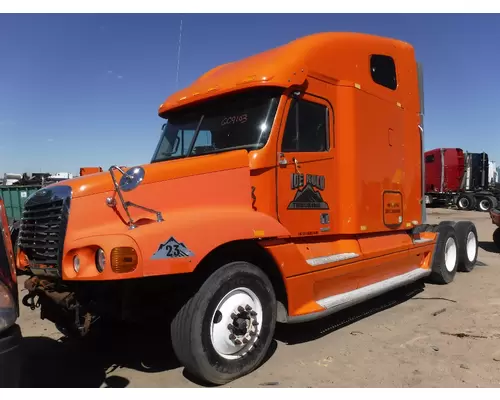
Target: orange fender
{"type": "Point", "coordinates": [187, 236]}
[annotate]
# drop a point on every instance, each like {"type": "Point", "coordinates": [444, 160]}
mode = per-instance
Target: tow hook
{"type": "Point", "coordinates": [29, 301]}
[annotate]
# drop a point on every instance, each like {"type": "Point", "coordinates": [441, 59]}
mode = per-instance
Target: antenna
{"type": "Point", "coordinates": [178, 57]}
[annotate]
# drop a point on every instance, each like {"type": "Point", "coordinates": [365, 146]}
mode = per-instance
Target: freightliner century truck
{"type": "Point", "coordinates": [285, 187]}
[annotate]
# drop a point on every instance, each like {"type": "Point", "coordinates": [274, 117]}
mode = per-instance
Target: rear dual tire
{"type": "Point", "coordinates": [445, 262]}
{"type": "Point", "coordinates": [467, 242]}
{"type": "Point", "coordinates": [456, 250]}
{"type": "Point", "coordinates": [224, 330]}
{"type": "Point", "coordinates": [469, 202]}
{"type": "Point", "coordinates": [466, 202]}
{"type": "Point", "coordinates": [485, 204]}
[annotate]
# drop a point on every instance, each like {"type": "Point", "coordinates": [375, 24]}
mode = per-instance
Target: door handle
{"type": "Point", "coordinates": [297, 167]}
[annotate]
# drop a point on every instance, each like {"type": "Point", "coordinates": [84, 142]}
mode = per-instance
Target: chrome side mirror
{"type": "Point", "coordinates": [131, 179]}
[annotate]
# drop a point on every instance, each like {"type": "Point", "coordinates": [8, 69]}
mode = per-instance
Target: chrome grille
{"type": "Point", "coordinates": [43, 225]}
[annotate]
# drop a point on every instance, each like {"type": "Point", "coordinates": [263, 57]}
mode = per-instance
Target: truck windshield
{"type": "Point", "coordinates": [237, 121]}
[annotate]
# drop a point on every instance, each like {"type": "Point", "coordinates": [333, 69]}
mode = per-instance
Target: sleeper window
{"type": "Point", "coordinates": [383, 71]}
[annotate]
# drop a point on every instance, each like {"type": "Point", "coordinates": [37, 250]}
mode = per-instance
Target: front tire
{"type": "Point", "coordinates": [224, 331]}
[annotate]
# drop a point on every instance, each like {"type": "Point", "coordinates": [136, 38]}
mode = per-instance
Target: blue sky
{"type": "Point", "coordinates": [84, 90]}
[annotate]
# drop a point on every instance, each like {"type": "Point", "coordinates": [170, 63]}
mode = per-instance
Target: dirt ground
{"type": "Point", "coordinates": [421, 336]}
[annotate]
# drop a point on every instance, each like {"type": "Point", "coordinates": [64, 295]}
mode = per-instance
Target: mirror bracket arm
{"type": "Point", "coordinates": [111, 201]}
{"type": "Point", "coordinates": [159, 216]}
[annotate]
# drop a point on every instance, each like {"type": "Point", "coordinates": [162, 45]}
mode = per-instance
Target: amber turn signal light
{"type": "Point", "coordinates": [123, 259]}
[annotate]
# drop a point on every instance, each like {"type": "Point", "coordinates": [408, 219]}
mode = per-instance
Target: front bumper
{"type": "Point", "coordinates": [10, 357]}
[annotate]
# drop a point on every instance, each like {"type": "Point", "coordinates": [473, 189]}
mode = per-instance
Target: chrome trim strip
{"type": "Point", "coordinates": [356, 296]}
{"type": "Point", "coordinates": [339, 302]}
{"type": "Point", "coordinates": [423, 240]}
{"type": "Point", "coordinates": [331, 258]}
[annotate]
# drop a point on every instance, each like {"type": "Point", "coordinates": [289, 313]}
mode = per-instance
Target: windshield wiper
{"type": "Point", "coordinates": [195, 136]}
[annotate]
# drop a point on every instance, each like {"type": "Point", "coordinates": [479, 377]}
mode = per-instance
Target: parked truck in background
{"type": "Point", "coordinates": [10, 179]}
{"type": "Point", "coordinates": [457, 178]}
{"type": "Point", "coordinates": [285, 187]}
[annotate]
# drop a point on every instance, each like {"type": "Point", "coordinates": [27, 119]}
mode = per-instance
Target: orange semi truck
{"type": "Point", "coordinates": [285, 187]}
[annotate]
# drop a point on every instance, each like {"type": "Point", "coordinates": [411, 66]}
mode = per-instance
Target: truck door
{"type": "Point", "coordinates": [305, 172]}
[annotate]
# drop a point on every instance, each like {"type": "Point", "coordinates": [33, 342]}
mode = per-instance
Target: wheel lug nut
{"type": "Point", "coordinates": [252, 333]}
{"type": "Point", "coordinates": [230, 327]}
{"type": "Point", "coordinates": [248, 308]}
{"type": "Point", "coordinates": [241, 309]}
{"type": "Point", "coordinates": [237, 341]}
{"type": "Point", "coordinates": [255, 323]}
{"type": "Point", "coordinates": [233, 316]}
{"type": "Point", "coordinates": [253, 313]}
{"type": "Point", "coordinates": [232, 337]}
{"type": "Point", "coordinates": [245, 340]}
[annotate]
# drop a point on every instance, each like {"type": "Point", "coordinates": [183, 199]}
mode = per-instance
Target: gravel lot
{"type": "Point", "coordinates": [422, 336]}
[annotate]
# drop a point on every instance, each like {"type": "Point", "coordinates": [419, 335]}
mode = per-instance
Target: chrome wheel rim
{"type": "Point", "coordinates": [471, 246]}
{"type": "Point", "coordinates": [464, 202]}
{"type": "Point", "coordinates": [484, 205]}
{"type": "Point", "coordinates": [450, 254]}
{"type": "Point", "coordinates": [236, 323]}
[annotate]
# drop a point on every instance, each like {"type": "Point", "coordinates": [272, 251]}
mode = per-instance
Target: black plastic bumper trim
{"type": "Point", "coordinates": [10, 357]}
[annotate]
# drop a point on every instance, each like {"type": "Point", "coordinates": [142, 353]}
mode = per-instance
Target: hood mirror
{"type": "Point", "coordinates": [131, 179]}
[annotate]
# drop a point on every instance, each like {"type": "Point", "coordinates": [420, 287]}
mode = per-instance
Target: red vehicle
{"type": "Point", "coordinates": [444, 170]}
{"type": "Point", "coordinates": [495, 219]}
{"type": "Point", "coordinates": [10, 332]}
{"type": "Point", "coordinates": [455, 177]}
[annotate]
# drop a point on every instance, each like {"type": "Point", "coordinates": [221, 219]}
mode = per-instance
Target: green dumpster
{"type": "Point", "coordinates": [14, 198]}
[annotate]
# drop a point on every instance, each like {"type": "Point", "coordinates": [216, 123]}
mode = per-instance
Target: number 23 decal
{"type": "Point", "coordinates": [172, 249]}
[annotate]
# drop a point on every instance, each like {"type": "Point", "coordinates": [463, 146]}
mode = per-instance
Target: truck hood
{"type": "Point", "coordinates": [175, 169]}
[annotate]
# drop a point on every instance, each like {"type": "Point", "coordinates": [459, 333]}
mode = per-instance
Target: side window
{"type": "Point", "coordinates": [170, 145]}
{"type": "Point", "coordinates": [306, 128]}
{"type": "Point", "coordinates": [429, 158]}
{"type": "Point", "coordinates": [383, 71]}
{"type": "Point", "coordinates": [178, 145]}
